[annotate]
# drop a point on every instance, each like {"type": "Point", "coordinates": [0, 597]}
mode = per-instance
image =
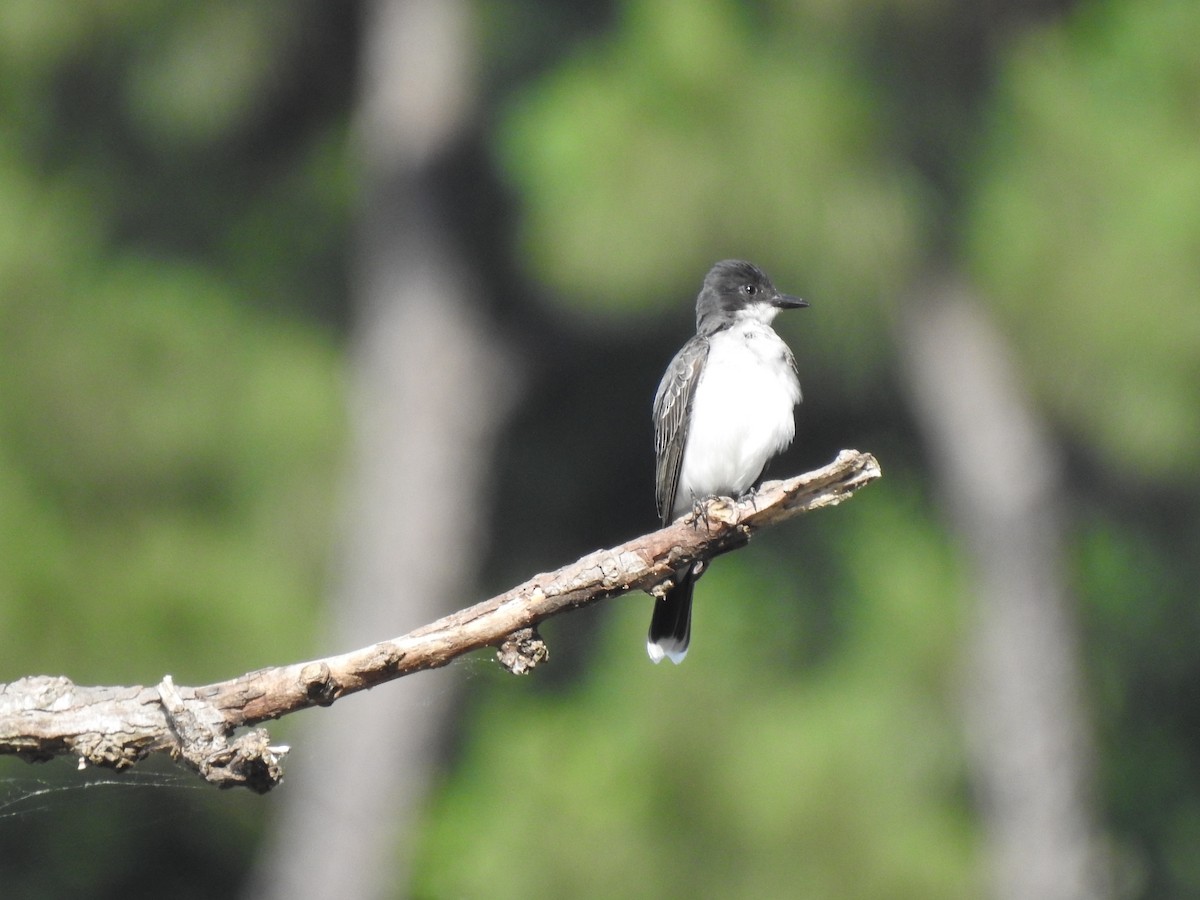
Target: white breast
{"type": "Point", "coordinates": [741, 413]}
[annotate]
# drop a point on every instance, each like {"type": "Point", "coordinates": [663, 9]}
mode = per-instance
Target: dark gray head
{"type": "Point", "coordinates": [735, 289]}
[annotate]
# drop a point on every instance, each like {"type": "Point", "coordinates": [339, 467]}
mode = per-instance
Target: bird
{"type": "Point", "coordinates": [724, 408]}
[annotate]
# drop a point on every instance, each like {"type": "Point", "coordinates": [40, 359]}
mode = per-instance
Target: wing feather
{"type": "Point", "coordinates": [672, 404]}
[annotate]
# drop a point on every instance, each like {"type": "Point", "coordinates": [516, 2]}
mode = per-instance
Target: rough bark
{"type": "Point", "coordinates": [42, 717]}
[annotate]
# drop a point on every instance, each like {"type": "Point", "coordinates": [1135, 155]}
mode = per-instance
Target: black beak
{"type": "Point", "coordinates": [787, 301]}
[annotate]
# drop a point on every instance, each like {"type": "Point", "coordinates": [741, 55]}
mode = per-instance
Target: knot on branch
{"type": "Point", "coordinates": [387, 656]}
{"type": "Point", "coordinates": [248, 761]}
{"type": "Point", "coordinates": [202, 741]}
{"type": "Point", "coordinates": [319, 684]}
{"type": "Point", "coordinates": [522, 650]}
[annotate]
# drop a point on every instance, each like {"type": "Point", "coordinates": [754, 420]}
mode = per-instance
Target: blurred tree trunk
{"type": "Point", "coordinates": [427, 392]}
{"type": "Point", "coordinates": [1028, 735]}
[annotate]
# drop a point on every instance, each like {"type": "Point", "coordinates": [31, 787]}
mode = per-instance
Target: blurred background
{"type": "Point", "coordinates": [319, 320]}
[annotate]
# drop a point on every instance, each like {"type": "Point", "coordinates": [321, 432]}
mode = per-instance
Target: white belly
{"type": "Point", "coordinates": [741, 413]}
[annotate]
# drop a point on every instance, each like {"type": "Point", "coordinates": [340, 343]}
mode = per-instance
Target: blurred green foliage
{"type": "Point", "coordinates": [199, 500]}
{"type": "Point", "coordinates": [1086, 227]}
{"type": "Point", "coordinates": [170, 402]}
{"type": "Point", "coordinates": [166, 442]}
{"type": "Point", "coordinates": [176, 190]}
{"type": "Point", "coordinates": [696, 132]}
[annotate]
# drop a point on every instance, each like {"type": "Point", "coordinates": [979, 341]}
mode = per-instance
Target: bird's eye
{"type": "Point", "coordinates": [749, 289]}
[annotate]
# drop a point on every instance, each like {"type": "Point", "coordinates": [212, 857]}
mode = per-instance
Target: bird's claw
{"type": "Point", "coordinates": [710, 508]}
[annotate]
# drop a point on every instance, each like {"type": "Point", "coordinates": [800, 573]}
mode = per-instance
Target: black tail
{"type": "Point", "coordinates": [671, 625]}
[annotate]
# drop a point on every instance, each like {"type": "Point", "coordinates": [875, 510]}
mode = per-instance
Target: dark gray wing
{"type": "Point", "coordinates": [672, 407]}
{"type": "Point", "coordinates": [791, 361]}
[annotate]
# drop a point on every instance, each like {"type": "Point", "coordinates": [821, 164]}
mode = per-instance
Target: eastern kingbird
{"type": "Point", "coordinates": [723, 409]}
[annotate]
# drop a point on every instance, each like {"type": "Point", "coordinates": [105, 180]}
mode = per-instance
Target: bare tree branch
{"type": "Point", "coordinates": [42, 717]}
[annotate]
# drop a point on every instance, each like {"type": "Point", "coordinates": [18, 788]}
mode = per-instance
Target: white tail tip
{"type": "Point", "coordinates": [666, 648]}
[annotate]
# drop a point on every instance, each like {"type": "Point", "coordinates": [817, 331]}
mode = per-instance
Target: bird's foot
{"type": "Point", "coordinates": [712, 508]}
{"type": "Point", "coordinates": [700, 509]}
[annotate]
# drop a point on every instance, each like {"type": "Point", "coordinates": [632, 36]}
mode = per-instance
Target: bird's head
{"type": "Point", "coordinates": [735, 289]}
